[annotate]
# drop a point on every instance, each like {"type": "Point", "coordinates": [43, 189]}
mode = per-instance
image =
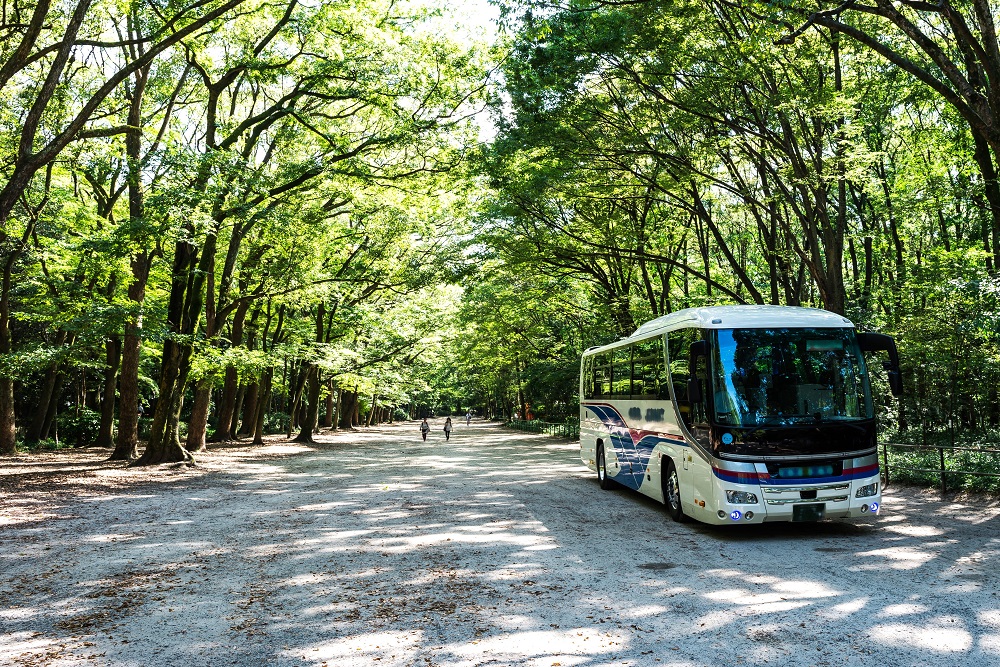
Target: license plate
{"type": "Point", "coordinates": [811, 512]}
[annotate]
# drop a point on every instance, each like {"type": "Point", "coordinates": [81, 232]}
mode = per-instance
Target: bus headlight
{"type": "Point", "coordinates": [740, 497]}
{"type": "Point", "coordinates": [867, 490]}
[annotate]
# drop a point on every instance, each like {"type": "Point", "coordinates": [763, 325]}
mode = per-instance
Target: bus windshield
{"type": "Point", "coordinates": [771, 377]}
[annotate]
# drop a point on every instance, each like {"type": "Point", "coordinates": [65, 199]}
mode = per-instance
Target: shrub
{"type": "Point", "coordinates": [79, 429]}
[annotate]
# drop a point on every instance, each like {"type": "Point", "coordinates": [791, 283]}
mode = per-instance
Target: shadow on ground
{"type": "Point", "coordinates": [495, 548]}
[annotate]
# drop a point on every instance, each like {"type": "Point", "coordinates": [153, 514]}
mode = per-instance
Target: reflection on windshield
{"type": "Point", "coordinates": [786, 376]}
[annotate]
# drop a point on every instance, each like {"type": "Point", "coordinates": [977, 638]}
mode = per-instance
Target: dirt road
{"type": "Point", "coordinates": [496, 548]}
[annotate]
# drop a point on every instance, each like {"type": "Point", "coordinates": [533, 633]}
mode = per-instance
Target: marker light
{"type": "Point", "coordinates": [722, 515]}
{"type": "Point", "coordinates": [748, 516]}
{"type": "Point", "coordinates": [735, 515]}
{"type": "Point", "coordinates": [867, 490]}
{"type": "Point", "coordinates": [874, 508]}
{"type": "Point", "coordinates": [864, 508]}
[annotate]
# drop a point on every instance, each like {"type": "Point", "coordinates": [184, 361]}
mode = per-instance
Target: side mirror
{"type": "Point", "coordinates": [896, 383]}
{"type": "Point", "coordinates": [694, 390]}
{"type": "Point", "coordinates": [873, 342]}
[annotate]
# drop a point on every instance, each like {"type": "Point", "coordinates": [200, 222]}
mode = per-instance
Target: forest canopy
{"type": "Point", "coordinates": [223, 219]}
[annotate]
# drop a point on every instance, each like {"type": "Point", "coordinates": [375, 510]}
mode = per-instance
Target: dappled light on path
{"type": "Point", "coordinates": [496, 548]}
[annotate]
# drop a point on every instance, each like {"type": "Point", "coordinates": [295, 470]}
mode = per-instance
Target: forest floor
{"type": "Point", "coordinates": [497, 548]}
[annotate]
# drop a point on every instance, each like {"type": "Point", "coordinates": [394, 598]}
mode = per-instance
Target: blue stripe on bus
{"type": "Point", "coordinates": [636, 453]}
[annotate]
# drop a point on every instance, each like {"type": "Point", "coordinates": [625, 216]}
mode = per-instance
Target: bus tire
{"type": "Point", "coordinates": [602, 469]}
{"type": "Point", "coordinates": [672, 492]}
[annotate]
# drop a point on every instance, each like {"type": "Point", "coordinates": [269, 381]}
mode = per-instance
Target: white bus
{"type": "Point", "coordinates": [738, 414]}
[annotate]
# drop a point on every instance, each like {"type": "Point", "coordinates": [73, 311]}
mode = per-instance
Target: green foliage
{"type": "Point", "coordinates": [79, 428]}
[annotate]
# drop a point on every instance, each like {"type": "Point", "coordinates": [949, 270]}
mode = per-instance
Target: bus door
{"type": "Point", "coordinates": [688, 365]}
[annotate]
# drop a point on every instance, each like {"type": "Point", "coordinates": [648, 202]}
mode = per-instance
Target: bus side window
{"type": "Point", "coordinates": [660, 370]}
{"type": "Point", "coordinates": [677, 350]}
{"type": "Point", "coordinates": [622, 372]}
{"type": "Point", "coordinates": [588, 377]}
{"type": "Point", "coordinates": [602, 376]}
{"type": "Point", "coordinates": [647, 370]}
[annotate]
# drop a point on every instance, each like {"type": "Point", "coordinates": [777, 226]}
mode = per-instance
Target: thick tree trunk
{"type": "Point", "coordinates": [112, 359]}
{"type": "Point", "coordinates": [249, 410]}
{"type": "Point", "coordinates": [312, 410]}
{"type": "Point", "coordinates": [127, 444]}
{"type": "Point", "coordinates": [984, 160]}
{"type": "Point", "coordinates": [227, 406]}
{"type": "Point", "coordinates": [349, 401]}
{"type": "Point", "coordinates": [164, 439]}
{"type": "Point", "coordinates": [198, 423]}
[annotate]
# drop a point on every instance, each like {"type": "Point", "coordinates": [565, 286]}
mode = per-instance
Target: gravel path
{"type": "Point", "coordinates": [497, 548]}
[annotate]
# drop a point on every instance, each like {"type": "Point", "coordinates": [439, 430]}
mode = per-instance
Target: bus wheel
{"type": "Point", "coordinates": [672, 492]}
{"type": "Point", "coordinates": [602, 469]}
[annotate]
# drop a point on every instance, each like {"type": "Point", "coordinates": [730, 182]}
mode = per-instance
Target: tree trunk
{"type": "Point", "coordinates": [337, 410]}
{"type": "Point", "coordinates": [8, 427]}
{"type": "Point", "coordinates": [349, 401]}
{"type": "Point", "coordinates": [53, 409]}
{"type": "Point", "coordinates": [164, 439]}
{"type": "Point", "coordinates": [312, 411]}
{"type": "Point", "coordinates": [199, 416]}
{"type": "Point", "coordinates": [127, 444]}
{"type": "Point", "coordinates": [227, 408]}
{"type": "Point", "coordinates": [113, 355]}
{"type": "Point", "coordinates": [262, 402]}
{"type": "Point", "coordinates": [249, 410]}
{"type": "Point", "coordinates": [234, 424]}
{"type": "Point", "coordinates": [36, 430]}
{"type": "Point", "coordinates": [328, 417]}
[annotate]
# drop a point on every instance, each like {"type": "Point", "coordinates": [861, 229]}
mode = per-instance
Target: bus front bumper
{"type": "Point", "coordinates": [856, 499]}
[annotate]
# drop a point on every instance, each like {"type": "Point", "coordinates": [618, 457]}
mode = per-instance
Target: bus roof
{"type": "Point", "coordinates": [746, 317]}
{"type": "Point", "coordinates": [735, 317]}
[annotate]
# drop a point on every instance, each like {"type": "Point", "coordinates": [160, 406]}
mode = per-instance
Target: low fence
{"type": "Point", "coordinates": [923, 463]}
{"type": "Point", "coordinates": [568, 429]}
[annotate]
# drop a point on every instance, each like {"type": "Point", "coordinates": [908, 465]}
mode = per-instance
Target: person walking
{"type": "Point", "coordinates": [468, 417]}
{"type": "Point", "coordinates": [424, 429]}
{"type": "Point", "coordinates": [447, 428]}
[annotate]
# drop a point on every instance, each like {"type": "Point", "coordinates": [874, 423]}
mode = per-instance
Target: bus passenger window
{"type": "Point", "coordinates": [602, 376]}
{"type": "Point", "coordinates": [622, 373]}
{"type": "Point", "coordinates": [647, 369]}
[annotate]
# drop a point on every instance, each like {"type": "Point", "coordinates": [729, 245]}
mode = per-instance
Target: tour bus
{"type": "Point", "coordinates": [738, 414]}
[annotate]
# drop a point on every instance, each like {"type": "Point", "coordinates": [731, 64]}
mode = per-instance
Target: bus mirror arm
{"type": "Point", "coordinates": [873, 342]}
